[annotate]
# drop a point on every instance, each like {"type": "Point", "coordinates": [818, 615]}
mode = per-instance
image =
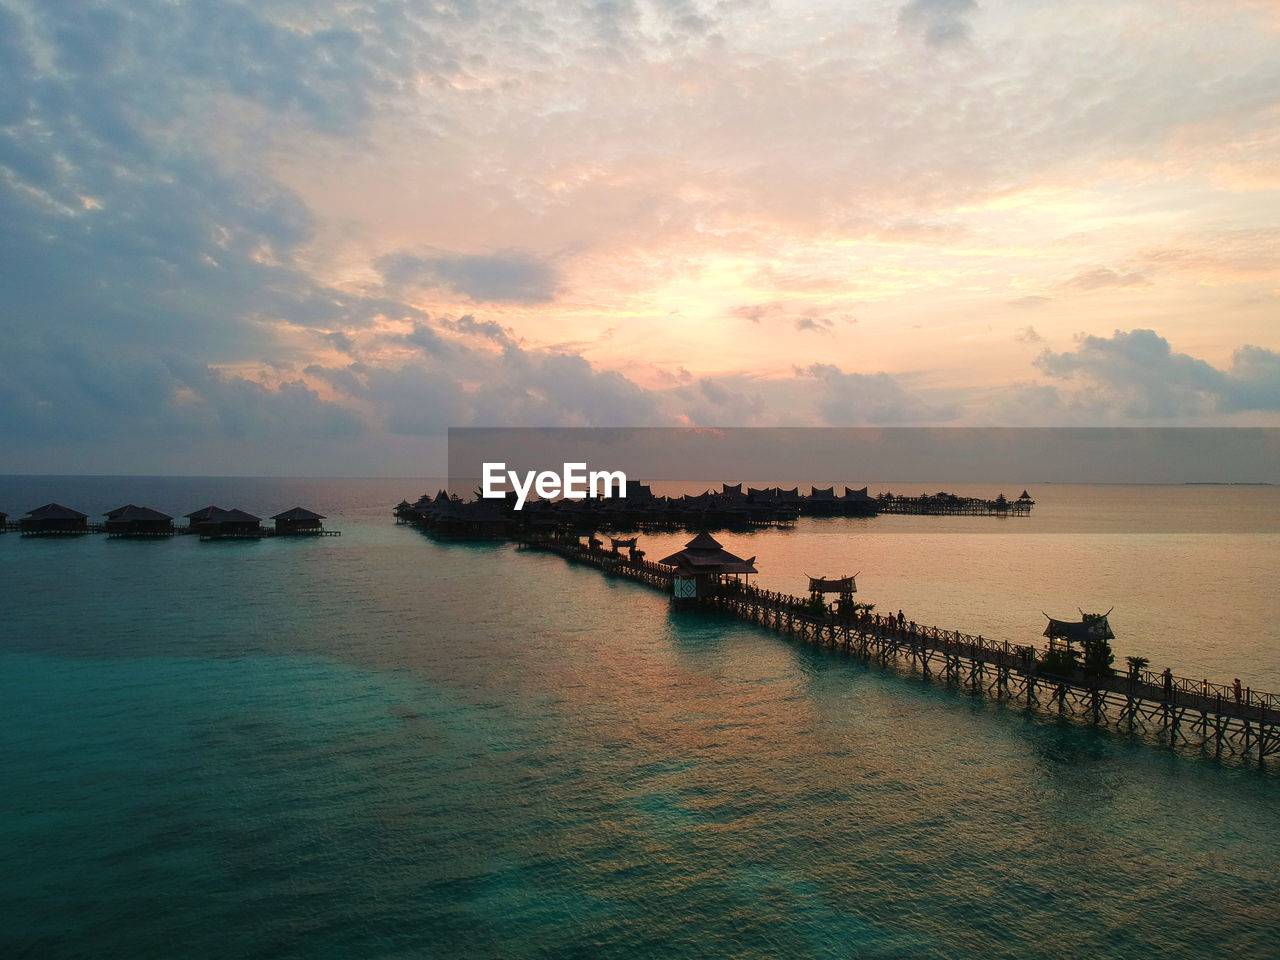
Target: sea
{"type": "Point", "coordinates": [380, 745]}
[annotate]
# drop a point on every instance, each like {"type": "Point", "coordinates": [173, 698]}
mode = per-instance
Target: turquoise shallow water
{"type": "Point", "coordinates": [380, 746]}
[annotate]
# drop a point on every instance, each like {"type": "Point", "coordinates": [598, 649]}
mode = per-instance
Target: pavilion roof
{"type": "Point", "coordinates": [55, 511]}
{"type": "Point", "coordinates": [1078, 631]}
{"type": "Point", "coordinates": [845, 584]}
{"type": "Point", "coordinates": [207, 513]}
{"type": "Point", "coordinates": [703, 554]}
{"type": "Point", "coordinates": [132, 512]}
{"type": "Point", "coordinates": [298, 513]}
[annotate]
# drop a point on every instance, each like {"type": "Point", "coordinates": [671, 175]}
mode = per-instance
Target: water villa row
{"type": "Point", "coordinates": [1071, 676]}
{"type": "Point", "coordinates": [730, 508]}
{"type": "Point", "coordinates": [143, 523]}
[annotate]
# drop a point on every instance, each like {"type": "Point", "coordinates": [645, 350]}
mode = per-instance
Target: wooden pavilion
{"type": "Point", "coordinates": [843, 587]}
{"type": "Point", "coordinates": [703, 564]}
{"type": "Point", "coordinates": [1079, 631]}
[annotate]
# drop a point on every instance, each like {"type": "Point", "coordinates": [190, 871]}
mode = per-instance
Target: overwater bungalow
{"type": "Point", "coordinates": [638, 491]}
{"type": "Point", "coordinates": [822, 501]}
{"type": "Point", "coordinates": [476, 520]}
{"type": "Point", "coordinates": [858, 503]}
{"type": "Point", "coordinates": [4, 522]}
{"type": "Point", "coordinates": [214, 523]}
{"type": "Point", "coordinates": [54, 519]}
{"type": "Point", "coordinates": [702, 565]}
{"type": "Point", "coordinates": [138, 522]}
{"type": "Point", "coordinates": [298, 521]}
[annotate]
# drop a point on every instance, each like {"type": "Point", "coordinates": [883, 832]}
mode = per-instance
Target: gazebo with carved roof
{"type": "Point", "coordinates": [702, 564]}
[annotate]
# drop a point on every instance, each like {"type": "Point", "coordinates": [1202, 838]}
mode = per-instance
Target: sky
{"type": "Point", "coordinates": [305, 237]}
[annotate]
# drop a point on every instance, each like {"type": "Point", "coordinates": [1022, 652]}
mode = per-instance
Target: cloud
{"type": "Point", "coordinates": [801, 315]}
{"type": "Point", "coordinates": [65, 392]}
{"type": "Point", "coordinates": [942, 23]}
{"type": "Point", "coordinates": [504, 278]}
{"type": "Point", "coordinates": [451, 383]}
{"type": "Point", "coordinates": [755, 312]}
{"type": "Point", "coordinates": [486, 329]}
{"type": "Point", "coordinates": [424, 335]}
{"type": "Point", "coordinates": [1136, 374]}
{"type": "Point", "coordinates": [850, 399]}
{"type": "Point", "coordinates": [1028, 334]}
{"type": "Point", "coordinates": [1099, 277]}
{"type": "Point", "coordinates": [341, 341]}
{"type": "Point", "coordinates": [817, 324]}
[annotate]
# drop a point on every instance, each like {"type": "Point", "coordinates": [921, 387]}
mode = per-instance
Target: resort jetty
{"type": "Point", "coordinates": [732, 508]}
{"type": "Point", "coordinates": [949, 505]}
{"type": "Point", "coordinates": [1070, 677]}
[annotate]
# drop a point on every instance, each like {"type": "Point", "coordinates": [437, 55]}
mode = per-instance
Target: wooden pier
{"type": "Point", "coordinates": [1174, 711]}
{"type": "Point", "coordinates": [950, 505]}
{"type": "Point", "coordinates": [265, 533]}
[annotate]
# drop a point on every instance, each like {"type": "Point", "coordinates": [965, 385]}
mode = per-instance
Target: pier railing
{"type": "Point", "coordinates": [797, 615]}
{"type": "Point", "coordinates": [1185, 691]}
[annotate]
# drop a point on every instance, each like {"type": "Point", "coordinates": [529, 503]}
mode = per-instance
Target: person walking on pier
{"type": "Point", "coordinates": [1168, 683]}
{"type": "Point", "coordinates": [1236, 687]}
{"type": "Point", "coordinates": [901, 619]}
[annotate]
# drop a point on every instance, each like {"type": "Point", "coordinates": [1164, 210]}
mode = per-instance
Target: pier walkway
{"type": "Point", "coordinates": [1177, 711]}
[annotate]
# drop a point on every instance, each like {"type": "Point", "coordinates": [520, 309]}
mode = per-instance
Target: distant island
{"type": "Point", "coordinates": [1227, 483]}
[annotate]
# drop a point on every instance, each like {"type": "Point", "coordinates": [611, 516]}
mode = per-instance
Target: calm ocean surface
{"type": "Point", "coordinates": [376, 745]}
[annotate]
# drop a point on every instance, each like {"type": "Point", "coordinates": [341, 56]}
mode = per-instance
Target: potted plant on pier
{"type": "Point", "coordinates": [1136, 666]}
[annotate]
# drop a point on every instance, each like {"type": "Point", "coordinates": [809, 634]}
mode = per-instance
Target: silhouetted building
{"type": "Point", "coordinates": [298, 522]}
{"type": "Point", "coordinates": [213, 523]}
{"type": "Point", "coordinates": [54, 518]}
{"type": "Point", "coordinates": [1079, 631]}
{"type": "Point", "coordinates": [701, 565]}
{"type": "Point", "coordinates": [135, 521]}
